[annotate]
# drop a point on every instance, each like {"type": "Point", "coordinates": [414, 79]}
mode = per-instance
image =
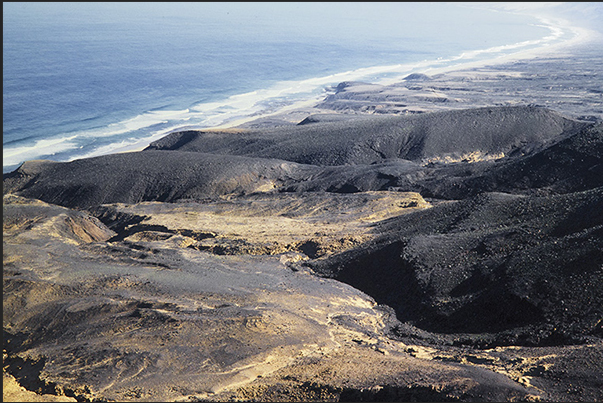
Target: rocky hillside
{"type": "Point", "coordinates": [443, 256]}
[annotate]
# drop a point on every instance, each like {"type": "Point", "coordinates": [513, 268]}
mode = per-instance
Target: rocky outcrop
{"type": "Point", "coordinates": [511, 269]}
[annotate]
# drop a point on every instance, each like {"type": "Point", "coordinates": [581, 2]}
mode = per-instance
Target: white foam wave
{"type": "Point", "coordinates": [49, 147]}
{"type": "Point", "coordinates": [125, 145]}
{"type": "Point", "coordinates": [41, 148]}
{"type": "Point", "coordinates": [142, 121]}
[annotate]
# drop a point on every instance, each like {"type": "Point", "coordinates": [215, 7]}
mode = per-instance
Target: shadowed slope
{"type": "Point", "coordinates": [574, 163]}
{"type": "Point", "coordinates": [149, 176]}
{"type": "Point", "coordinates": [527, 267]}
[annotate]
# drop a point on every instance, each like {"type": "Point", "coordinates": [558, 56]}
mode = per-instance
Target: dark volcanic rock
{"type": "Point", "coordinates": [529, 268]}
{"type": "Point", "coordinates": [149, 176]}
{"type": "Point", "coordinates": [361, 154]}
{"type": "Point", "coordinates": [369, 140]}
{"type": "Point", "coordinates": [572, 164]}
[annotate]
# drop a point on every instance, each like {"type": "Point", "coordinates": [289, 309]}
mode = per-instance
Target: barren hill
{"type": "Point", "coordinates": [445, 256]}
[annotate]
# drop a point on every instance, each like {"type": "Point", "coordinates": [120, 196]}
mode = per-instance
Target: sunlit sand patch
{"type": "Point", "coordinates": [275, 224]}
{"type": "Point", "coordinates": [472, 157]}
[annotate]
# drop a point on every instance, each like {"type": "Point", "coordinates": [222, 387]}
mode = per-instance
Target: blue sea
{"type": "Point", "coordinates": [86, 79]}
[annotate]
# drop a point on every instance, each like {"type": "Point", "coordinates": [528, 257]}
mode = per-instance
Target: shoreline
{"type": "Point", "coordinates": [558, 27]}
{"type": "Point", "coordinates": [299, 110]}
{"type": "Point", "coordinates": [581, 37]}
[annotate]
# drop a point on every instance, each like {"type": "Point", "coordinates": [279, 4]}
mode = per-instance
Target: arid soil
{"type": "Point", "coordinates": [439, 239]}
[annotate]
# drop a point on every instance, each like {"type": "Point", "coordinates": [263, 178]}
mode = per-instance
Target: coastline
{"type": "Point", "coordinates": [284, 98]}
{"type": "Point", "coordinates": [475, 77]}
{"type": "Point", "coordinates": [463, 70]}
{"type": "Point", "coordinates": [581, 37]}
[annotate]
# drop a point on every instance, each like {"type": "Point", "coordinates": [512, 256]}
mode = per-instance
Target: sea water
{"type": "Point", "coordinates": [86, 79]}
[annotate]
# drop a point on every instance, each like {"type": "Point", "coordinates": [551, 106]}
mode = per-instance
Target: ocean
{"type": "Point", "coordinates": [86, 79]}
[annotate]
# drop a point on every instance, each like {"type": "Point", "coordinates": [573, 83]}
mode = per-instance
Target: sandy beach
{"type": "Point", "coordinates": [473, 74]}
{"type": "Point", "coordinates": [564, 41]}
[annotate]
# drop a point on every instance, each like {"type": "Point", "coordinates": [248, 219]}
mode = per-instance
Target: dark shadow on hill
{"type": "Point", "coordinates": [514, 270]}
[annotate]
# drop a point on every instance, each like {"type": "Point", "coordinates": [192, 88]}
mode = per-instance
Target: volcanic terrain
{"type": "Point", "coordinates": [450, 255]}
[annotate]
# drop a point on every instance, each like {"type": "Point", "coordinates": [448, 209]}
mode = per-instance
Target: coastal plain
{"type": "Point", "coordinates": [434, 239]}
